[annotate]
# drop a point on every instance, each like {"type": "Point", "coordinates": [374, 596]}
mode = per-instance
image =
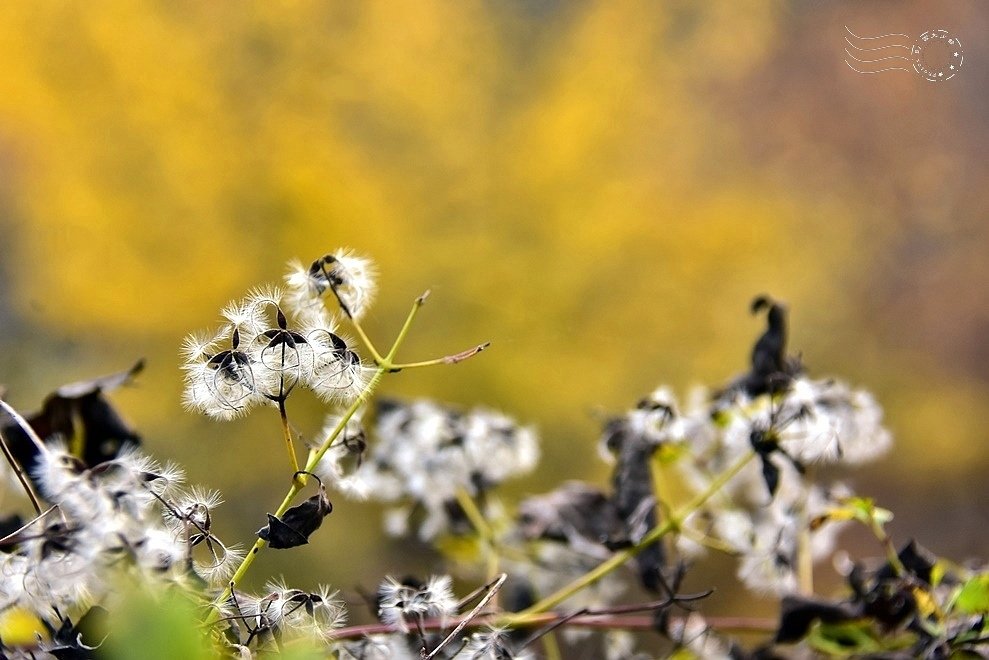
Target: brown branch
{"type": "Point", "coordinates": [592, 621]}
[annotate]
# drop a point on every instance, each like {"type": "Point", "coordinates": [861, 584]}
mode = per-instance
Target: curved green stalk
{"type": "Point", "coordinates": [622, 556]}
{"type": "Point", "coordinates": [484, 531]}
{"type": "Point", "coordinates": [385, 365]}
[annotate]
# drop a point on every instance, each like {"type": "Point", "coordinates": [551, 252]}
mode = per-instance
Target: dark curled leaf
{"type": "Point", "coordinates": [885, 597]}
{"type": "Point", "coordinates": [634, 499]}
{"type": "Point", "coordinates": [575, 511]}
{"type": "Point", "coordinates": [771, 369]}
{"type": "Point", "coordinates": [298, 523]}
{"type": "Point", "coordinates": [77, 410]}
{"type": "Point", "coordinates": [279, 535]}
{"type": "Point", "coordinates": [77, 642]}
{"type": "Point", "coordinates": [798, 614]}
{"type": "Point", "coordinates": [769, 352]}
{"type": "Point", "coordinates": [918, 560]}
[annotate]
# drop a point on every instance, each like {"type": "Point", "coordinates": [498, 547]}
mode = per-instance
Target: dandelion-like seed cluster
{"type": "Point", "coordinates": [810, 424]}
{"type": "Point", "coordinates": [401, 603]}
{"type": "Point", "coordinates": [424, 454]}
{"type": "Point", "coordinates": [275, 340]}
{"type": "Point", "coordinates": [126, 518]}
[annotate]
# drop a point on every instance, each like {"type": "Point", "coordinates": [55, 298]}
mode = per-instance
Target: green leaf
{"type": "Point", "coordinates": [973, 598]}
{"type": "Point", "coordinates": [855, 637]}
{"type": "Point", "coordinates": [864, 509]}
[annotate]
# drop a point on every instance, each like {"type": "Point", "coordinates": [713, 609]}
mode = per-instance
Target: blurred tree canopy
{"type": "Point", "coordinates": [597, 187]}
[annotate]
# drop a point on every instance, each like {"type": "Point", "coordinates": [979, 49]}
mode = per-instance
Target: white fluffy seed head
{"type": "Point", "coordinates": [398, 602]}
{"type": "Point", "coordinates": [357, 276]}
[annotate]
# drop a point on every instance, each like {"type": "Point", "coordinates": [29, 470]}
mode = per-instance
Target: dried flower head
{"type": "Point", "coordinates": [349, 277]}
{"type": "Point", "coordinates": [402, 602]}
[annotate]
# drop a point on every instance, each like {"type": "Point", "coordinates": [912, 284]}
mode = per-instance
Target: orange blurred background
{"type": "Point", "coordinates": [599, 188]}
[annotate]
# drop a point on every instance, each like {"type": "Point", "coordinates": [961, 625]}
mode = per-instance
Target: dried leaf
{"type": "Point", "coordinates": [298, 523]}
{"type": "Point", "coordinates": [77, 410]}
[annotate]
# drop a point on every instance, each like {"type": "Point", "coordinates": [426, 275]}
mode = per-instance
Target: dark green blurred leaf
{"type": "Point", "coordinates": [165, 627]}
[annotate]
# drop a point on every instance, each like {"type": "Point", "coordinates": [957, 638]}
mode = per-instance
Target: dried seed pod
{"type": "Point", "coordinates": [298, 523]}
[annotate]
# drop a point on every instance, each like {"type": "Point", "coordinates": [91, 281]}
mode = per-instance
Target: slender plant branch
{"type": "Point", "coordinates": [77, 443]}
{"type": "Point", "coordinates": [14, 463]}
{"type": "Point", "coordinates": [805, 559]}
{"type": "Point", "coordinates": [491, 592]}
{"type": "Point", "coordinates": [656, 476]}
{"type": "Point", "coordinates": [299, 480]}
{"type": "Point", "coordinates": [619, 558]}
{"type": "Point", "coordinates": [448, 359]}
{"type": "Point", "coordinates": [735, 624]}
{"type": "Point", "coordinates": [13, 536]}
{"type": "Point", "coordinates": [287, 436]}
{"type": "Point", "coordinates": [24, 427]}
{"type": "Point", "coordinates": [891, 556]}
{"type": "Point", "coordinates": [551, 646]}
{"type": "Point", "coordinates": [366, 341]}
{"type": "Point", "coordinates": [484, 531]}
{"type": "Point", "coordinates": [298, 483]}
{"type": "Point", "coordinates": [712, 542]}
{"type": "Point", "coordinates": [419, 302]}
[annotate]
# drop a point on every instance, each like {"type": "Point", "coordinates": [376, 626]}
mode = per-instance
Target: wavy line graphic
{"type": "Point", "coordinates": [898, 34]}
{"type": "Point", "coordinates": [873, 58]}
{"type": "Point", "coordinates": [849, 42]}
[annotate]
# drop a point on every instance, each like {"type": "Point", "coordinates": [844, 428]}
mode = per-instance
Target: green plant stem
{"type": "Point", "coordinates": [711, 542]}
{"type": "Point", "coordinates": [299, 483]}
{"type": "Point", "coordinates": [887, 543]}
{"type": "Point", "coordinates": [551, 647]}
{"type": "Point", "coordinates": [287, 435]}
{"type": "Point", "coordinates": [419, 302]}
{"type": "Point", "coordinates": [484, 531]}
{"type": "Point", "coordinates": [77, 443]}
{"type": "Point", "coordinates": [447, 359]}
{"type": "Point", "coordinates": [656, 474]}
{"type": "Point", "coordinates": [619, 558]}
{"type": "Point", "coordinates": [368, 344]}
{"type": "Point", "coordinates": [805, 559]}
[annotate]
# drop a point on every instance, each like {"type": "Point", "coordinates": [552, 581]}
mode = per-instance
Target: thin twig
{"type": "Point", "coordinates": [25, 427]}
{"type": "Point", "coordinates": [446, 359]}
{"type": "Point", "coordinates": [14, 463]}
{"type": "Point", "coordinates": [595, 621]}
{"type": "Point", "coordinates": [470, 616]}
{"type": "Point", "coordinates": [562, 621]}
{"type": "Point", "coordinates": [13, 535]}
{"type": "Point", "coordinates": [621, 557]}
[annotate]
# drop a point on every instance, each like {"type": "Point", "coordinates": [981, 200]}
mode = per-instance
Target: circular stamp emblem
{"type": "Point", "coordinates": [937, 55]}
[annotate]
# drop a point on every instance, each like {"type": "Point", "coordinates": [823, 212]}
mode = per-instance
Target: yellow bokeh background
{"type": "Point", "coordinates": [599, 188]}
